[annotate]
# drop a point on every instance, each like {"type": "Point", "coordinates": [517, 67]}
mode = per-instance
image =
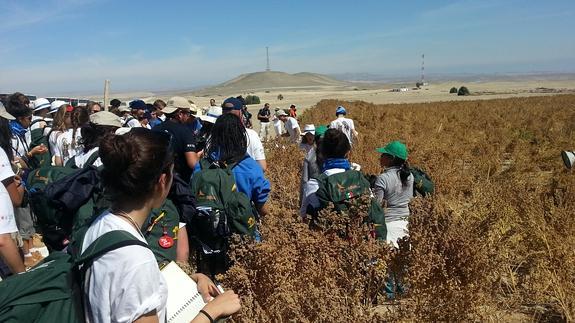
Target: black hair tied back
{"type": "Point", "coordinates": [404, 172]}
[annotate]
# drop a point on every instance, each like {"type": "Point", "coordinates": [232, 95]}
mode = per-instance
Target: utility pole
{"type": "Point", "coordinates": [106, 93]}
{"type": "Point", "coordinates": [267, 60]}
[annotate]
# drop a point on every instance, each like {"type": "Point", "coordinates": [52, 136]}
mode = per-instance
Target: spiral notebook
{"type": "Point", "coordinates": [184, 301]}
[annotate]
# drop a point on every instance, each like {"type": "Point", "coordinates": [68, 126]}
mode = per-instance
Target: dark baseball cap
{"type": "Point", "coordinates": [236, 104]}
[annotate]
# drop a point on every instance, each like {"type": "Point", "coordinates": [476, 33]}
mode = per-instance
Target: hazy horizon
{"type": "Point", "coordinates": [72, 46]}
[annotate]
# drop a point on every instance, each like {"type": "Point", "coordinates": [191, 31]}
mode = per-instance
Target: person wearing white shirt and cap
{"type": "Point", "coordinates": [291, 125]}
{"type": "Point", "coordinates": [127, 119]}
{"type": "Point", "coordinates": [41, 109]}
{"type": "Point", "coordinates": [277, 122]}
{"type": "Point", "coordinates": [307, 138]}
{"type": "Point", "coordinates": [344, 124]}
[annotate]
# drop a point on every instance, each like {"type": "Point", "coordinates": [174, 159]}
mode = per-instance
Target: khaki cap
{"type": "Point", "coordinates": [105, 118]}
{"type": "Point", "coordinates": [175, 103]}
{"type": "Point", "coordinates": [4, 114]}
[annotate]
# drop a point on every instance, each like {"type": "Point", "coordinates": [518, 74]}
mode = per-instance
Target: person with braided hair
{"type": "Point", "coordinates": [228, 143]}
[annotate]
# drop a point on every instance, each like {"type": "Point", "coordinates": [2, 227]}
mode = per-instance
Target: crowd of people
{"type": "Point", "coordinates": [162, 166]}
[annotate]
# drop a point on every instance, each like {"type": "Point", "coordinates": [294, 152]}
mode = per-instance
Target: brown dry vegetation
{"type": "Point", "coordinates": [497, 238]}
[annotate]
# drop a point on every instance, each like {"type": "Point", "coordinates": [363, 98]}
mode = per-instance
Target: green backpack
{"type": "Point", "coordinates": [342, 188]}
{"type": "Point", "coordinates": [51, 291]}
{"type": "Point", "coordinates": [38, 138]}
{"type": "Point", "coordinates": [422, 183]}
{"type": "Point", "coordinates": [221, 208]}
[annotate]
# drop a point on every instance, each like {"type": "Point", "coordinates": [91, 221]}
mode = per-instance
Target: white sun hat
{"type": "Point", "coordinates": [212, 115]}
{"type": "Point", "coordinates": [308, 128]}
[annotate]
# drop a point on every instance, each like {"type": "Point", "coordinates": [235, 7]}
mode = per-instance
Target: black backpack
{"type": "Point", "coordinates": [65, 201]}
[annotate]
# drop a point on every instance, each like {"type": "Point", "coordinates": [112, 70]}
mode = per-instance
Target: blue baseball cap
{"type": "Point", "coordinates": [138, 104]}
{"type": "Point", "coordinates": [236, 104]}
{"type": "Point", "coordinates": [340, 110]}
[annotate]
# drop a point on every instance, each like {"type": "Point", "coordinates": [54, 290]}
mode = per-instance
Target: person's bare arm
{"type": "Point", "coordinates": [151, 317]}
{"type": "Point", "coordinates": [262, 209]}
{"type": "Point", "coordinates": [183, 248]}
{"type": "Point", "coordinates": [224, 304]}
{"type": "Point", "coordinates": [263, 164]}
{"type": "Point", "coordinates": [191, 159]}
{"type": "Point", "coordinates": [10, 254]}
{"type": "Point", "coordinates": [15, 190]}
{"type": "Point", "coordinates": [297, 132]}
{"type": "Point", "coordinates": [58, 161]}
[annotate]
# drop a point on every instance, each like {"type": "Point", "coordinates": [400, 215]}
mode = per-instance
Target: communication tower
{"type": "Point", "coordinates": [423, 69]}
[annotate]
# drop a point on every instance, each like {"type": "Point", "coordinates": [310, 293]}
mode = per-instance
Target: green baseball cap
{"type": "Point", "coordinates": [320, 131]}
{"type": "Point", "coordinates": [395, 149]}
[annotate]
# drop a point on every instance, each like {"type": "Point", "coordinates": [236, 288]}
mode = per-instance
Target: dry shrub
{"type": "Point", "coordinates": [498, 237]}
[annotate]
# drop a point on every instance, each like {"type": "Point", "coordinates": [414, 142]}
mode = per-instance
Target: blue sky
{"type": "Point", "coordinates": [60, 46]}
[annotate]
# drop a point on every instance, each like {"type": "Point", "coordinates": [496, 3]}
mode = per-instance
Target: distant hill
{"type": "Point", "coordinates": [273, 80]}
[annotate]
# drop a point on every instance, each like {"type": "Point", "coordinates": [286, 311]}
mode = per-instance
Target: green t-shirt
{"type": "Point", "coordinates": [159, 228]}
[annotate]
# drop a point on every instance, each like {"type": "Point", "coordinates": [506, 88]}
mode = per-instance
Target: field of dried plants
{"type": "Point", "coordinates": [496, 242]}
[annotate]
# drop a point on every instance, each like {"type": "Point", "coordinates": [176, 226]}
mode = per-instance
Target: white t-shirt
{"type": "Point", "coordinates": [82, 158]}
{"type": "Point", "coordinates": [255, 147]}
{"type": "Point", "coordinates": [345, 125]}
{"type": "Point", "coordinates": [276, 120]}
{"type": "Point", "coordinates": [291, 125]}
{"type": "Point", "coordinates": [64, 144]}
{"type": "Point", "coordinates": [123, 284]}
{"type": "Point", "coordinates": [7, 220]}
{"type": "Point", "coordinates": [309, 189]}
{"type": "Point", "coordinates": [21, 145]}
{"type": "Point", "coordinates": [55, 143]}
{"type": "Point", "coordinates": [131, 122]}
{"type": "Point", "coordinates": [37, 124]}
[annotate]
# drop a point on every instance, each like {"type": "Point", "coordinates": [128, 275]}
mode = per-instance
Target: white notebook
{"type": "Point", "coordinates": [184, 300]}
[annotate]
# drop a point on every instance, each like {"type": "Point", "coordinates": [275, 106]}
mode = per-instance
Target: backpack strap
{"type": "Point", "coordinates": [92, 159]}
{"type": "Point", "coordinates": [105, 243]}
{"type": "Point", "coordinates": [128, 119]}
{"type": "Point", "coordinates": [71, 163]}
{"type": "Point", "coordinates": [207, 163]}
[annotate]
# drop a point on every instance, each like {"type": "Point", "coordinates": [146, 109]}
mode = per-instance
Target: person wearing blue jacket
{"type": "Point", "coordinates": [227, 143]}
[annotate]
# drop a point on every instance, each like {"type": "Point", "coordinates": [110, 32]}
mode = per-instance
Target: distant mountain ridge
{"type": "Point", "coordinates": [273, 80]}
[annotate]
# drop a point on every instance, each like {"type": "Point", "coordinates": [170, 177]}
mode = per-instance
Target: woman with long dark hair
{"type": "Point", "coordinates": [125, 285]}
{"type": "Point", "coordinates": [395, 187]}
{"type": "Point", "coordinates": [228, 144]}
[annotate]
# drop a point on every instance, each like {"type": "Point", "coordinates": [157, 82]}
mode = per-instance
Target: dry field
{"type": "Point", "coordinates": [496, 242]}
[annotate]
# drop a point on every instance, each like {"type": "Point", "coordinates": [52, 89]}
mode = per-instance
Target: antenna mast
{"type": "Point", "coordinates": [423, 68]}
{"type": "Point", "coordinates": [267, 60]}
